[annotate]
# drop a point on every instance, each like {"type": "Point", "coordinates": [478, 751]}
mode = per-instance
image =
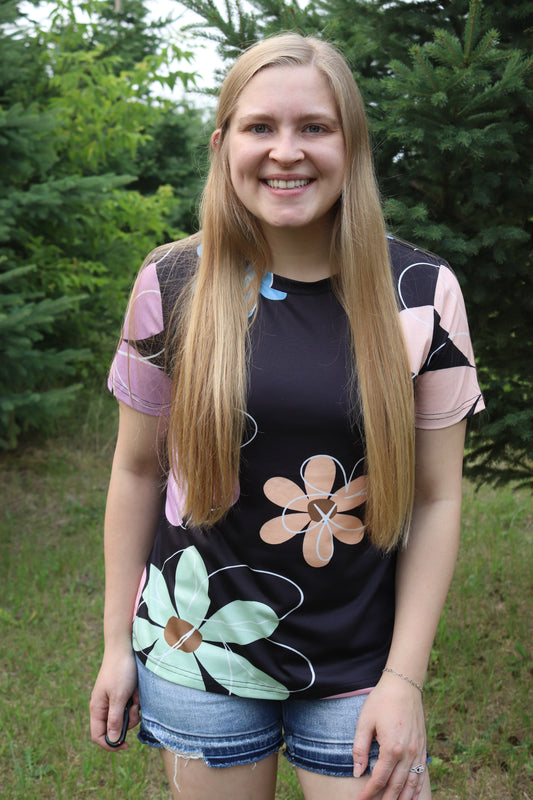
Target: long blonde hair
{"type": "Point", "coordinates": [209, 344]}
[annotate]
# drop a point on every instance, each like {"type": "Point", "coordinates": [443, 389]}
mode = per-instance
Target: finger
{"type": "Point", "coordinates": [379, 780]}
{"type": "Point", "coordinates": [361, 747]}
{"type": "Point", "coordinates": [98, 719]}
{"type": "Point", "coordinates": [422, 781]}
{"type": "Point", "coordinates": [413, 782]}
{"type": "Point", "coordinates": [118, 717]}
{"type": "Point", "coordinates": [391, 777]}
{"type": "Point", "coordinates": [398, 784]}
{"type": "Point", "coordinates": [418, 789]}
{"type": "Point", "coordinates": [406, 785]}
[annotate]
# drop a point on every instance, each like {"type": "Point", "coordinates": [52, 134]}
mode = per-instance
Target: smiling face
{"type": "Point", "coordinates": [286, 149]}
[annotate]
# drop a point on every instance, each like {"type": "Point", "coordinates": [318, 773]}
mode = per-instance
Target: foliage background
{"type": "Point", "coordinates": [90, 154]}
{"type": "Point", "coordinates": [98, 164]}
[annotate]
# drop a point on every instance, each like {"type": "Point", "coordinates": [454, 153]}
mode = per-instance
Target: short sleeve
{"type": "Point", "coordinates": [440, 350]}
{"type": "Point", "coordinates": [137, 377]}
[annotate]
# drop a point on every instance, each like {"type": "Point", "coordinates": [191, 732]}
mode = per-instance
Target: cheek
{"type": "Point", "coordinates": [237, 171]}
{"type": "Point", "coordinates": [339, 170]}
{"type": "Point", "coordinates": [244, 161]}
{"type": "Point", "coordinates": [238, 183]}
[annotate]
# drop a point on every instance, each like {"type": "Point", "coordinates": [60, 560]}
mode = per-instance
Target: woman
{"type": "Point", "coordinates": [280, 533]}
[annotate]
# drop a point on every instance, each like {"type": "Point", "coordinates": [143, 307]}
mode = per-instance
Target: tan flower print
{"type": "Point", "coordinates": [316, 514]}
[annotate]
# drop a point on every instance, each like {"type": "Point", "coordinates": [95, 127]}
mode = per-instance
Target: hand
{"type": "Point", "coordinates": [115, 684]}
{"type": "Point", "coordinates": [393, 714]}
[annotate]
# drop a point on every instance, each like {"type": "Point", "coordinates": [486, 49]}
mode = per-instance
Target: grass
{"type": "Point", "coordinates": [479, 690]}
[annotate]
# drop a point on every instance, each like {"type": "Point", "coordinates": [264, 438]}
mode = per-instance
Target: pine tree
{"type": "Point", "coordinates": [175, 154]}
{"type": "Point", "coordinates": [168, 144]}
{"type": "Point", "coordinates": [449, 97]}
{"type": "Point", "coordinates": [461, 183]}
{"type": "Point", "coordinates": [72, 233]}
{"type": "Point", "coordinates": [31, 376]}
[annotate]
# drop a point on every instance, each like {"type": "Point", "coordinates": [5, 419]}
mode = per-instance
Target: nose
{"type": "Point", "coordinates": [286, 149]}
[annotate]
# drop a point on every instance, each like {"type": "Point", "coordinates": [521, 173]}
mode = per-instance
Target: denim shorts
{"type": "Point", "coordinates": [226, 730]}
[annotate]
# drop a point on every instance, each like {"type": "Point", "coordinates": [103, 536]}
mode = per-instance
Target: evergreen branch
{"type": "Point", "coordinates": [471, 25]}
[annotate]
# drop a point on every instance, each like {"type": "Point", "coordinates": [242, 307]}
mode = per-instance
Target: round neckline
{"type": "Point", "coordinates": [293, 286]}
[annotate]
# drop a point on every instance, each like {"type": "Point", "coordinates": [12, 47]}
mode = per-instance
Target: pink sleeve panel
{"type": "Point", "coordinates": [136, 377]}
{"type": "Point", "coordinates": [441, 357]}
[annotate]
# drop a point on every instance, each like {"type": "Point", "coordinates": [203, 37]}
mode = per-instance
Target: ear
{"type": "Point", "coordinates": [215, 139]}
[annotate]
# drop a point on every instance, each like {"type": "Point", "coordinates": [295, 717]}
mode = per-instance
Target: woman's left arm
{"type": "Point", "coordinates": [393, 712]}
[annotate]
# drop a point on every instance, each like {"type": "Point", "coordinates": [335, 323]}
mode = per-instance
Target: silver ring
{"type": "Point", "coordinates": [419, 769]}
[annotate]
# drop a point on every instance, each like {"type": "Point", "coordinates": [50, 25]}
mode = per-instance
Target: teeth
{"type": "Point", "coordinates": [279, 184]}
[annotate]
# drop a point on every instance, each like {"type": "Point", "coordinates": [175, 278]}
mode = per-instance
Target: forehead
{"type": "Point", "coordinates": [288, 88]}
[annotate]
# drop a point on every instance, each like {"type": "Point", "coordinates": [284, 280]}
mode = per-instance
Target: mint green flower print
{"type": "Point", "coordinates": [180, 637]}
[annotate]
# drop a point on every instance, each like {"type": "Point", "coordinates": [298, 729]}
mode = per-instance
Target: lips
{"type": "Point", "coordinates": [293, 183]}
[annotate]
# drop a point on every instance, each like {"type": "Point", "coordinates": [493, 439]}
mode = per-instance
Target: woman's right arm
{"type": "Point", "coordinates": [132, 512]}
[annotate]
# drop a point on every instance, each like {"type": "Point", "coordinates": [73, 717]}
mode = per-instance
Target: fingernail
{"type": "Point", "coordinates": [357, 770]}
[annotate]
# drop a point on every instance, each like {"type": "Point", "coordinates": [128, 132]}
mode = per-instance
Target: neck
{"type": "Point", "coordinates": [300, 254]}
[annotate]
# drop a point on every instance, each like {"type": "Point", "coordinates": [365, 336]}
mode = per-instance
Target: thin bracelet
{"type": "Point", "coordinates": [405, 678]}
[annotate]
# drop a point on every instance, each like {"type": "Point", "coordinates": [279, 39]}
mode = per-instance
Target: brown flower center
{"type": "Point", "coordinates": [181, 635]}
{"type": "Point", "coordinates": [323, 507]}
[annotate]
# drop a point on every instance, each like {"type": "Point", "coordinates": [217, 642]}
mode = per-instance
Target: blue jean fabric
{"type": "Point", "coordinates": [226, 730]}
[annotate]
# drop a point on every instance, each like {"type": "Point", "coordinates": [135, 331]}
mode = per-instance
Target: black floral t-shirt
{"type": "Point", "coordinates": [286, 596]}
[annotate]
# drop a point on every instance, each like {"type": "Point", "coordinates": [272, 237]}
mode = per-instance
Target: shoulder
{"type": "Point", "coordinates": [417, 273]}
{"type": "Point", "coordinates": [175, 261]}
{"type": "Point", "coordinates": [169, 269]}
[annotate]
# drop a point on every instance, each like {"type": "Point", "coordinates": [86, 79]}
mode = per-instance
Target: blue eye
{"type": "Point", "coordinates": [259, 128]}
{"type": "Point", "coordinates": [314, 128]}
